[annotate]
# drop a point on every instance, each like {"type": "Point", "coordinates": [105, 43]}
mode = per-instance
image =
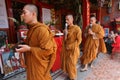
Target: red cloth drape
{"type": "Point", "coordinates": [57, 63]}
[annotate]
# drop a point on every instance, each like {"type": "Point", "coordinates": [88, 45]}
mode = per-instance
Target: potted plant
{"type": "Point", "coordinates": [21, 28]}
{"type": "Point", "coordinates": [19, 25]}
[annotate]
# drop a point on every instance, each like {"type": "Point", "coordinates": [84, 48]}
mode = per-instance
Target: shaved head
{"type": "Point", "coordinates": [29, 14]}
{"type": "Point", "coordinates": [70, 16]}
{"type": "Point", "coordinates": [32, 8]}
{"type": "Point", "coordinates": [69, 19]}
{"type": "Point", "coordinates": [93, 19]}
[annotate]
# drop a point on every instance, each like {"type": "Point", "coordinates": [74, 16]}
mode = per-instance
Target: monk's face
{"type": "Point", "coordinates": [93, 20]}
{"type": "Point", "coordinates": [69, 21]}
{"type": "Point", "coordinates": [27, 15]}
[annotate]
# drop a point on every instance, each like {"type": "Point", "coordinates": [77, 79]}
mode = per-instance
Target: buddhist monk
{"type": "Point", "coordinates": [93, 33]}
{"type": "Point", "coordinates": [40, 48]}
{"type": "Point", "coordinates": [70, 50]}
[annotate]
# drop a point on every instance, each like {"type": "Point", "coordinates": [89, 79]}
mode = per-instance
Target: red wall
{"type": "Point", "coordinates": [116, 11]}
{"type": "Point", "coordinates": [106, 18]}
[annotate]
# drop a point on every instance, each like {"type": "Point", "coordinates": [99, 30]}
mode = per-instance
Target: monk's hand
{"type": "Point", "coordinates": [67, 48]}
{"type": "Point", "coordinates": [23, 48]}
{"type": "Point", "coordinates": [91, 32]}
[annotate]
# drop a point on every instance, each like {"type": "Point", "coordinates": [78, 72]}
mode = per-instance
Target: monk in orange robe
{"type": "Point", "coordinates": [93, 34]}
{"type": "Point", "coordinates": [40, 48]}
{"type": "Point", "coordinates": [70, 50]}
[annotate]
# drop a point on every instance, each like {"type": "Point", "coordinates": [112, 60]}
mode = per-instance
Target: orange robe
{"type": "Point", "coordinates": [42, 54]}
{"type": "Point", "coordinates": [102, 47]}
{"type": "Point", "coordinates": [69, 57]}
{"type": "Point", "coordinates": [91, 44]}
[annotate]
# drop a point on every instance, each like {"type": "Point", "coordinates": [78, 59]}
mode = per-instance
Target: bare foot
{"type": "Point", "coordinates": [91, 66]}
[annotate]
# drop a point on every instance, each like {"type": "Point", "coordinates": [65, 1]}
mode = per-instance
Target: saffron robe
{"type": "Point", "coordinates": [102, 47]}
{"type": "Point", "coordinates": [42, 54]}
{"type": "Point", "coordinates": [69, 57]}
{"type": "Point", "coordinates": [91, 44]}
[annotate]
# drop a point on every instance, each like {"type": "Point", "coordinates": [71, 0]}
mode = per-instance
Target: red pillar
{"type": "Point", "coordinates": [86, 16]}
{"type": "Point", "coordinates": [11, 29]}
{"type": "Point", "coordinates": [99, 14]}
{"type": "Point", "coordinates": [86, 13]}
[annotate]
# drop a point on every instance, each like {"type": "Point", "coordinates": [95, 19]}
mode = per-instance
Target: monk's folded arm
{"type": "Point", "coordinates": [52, 54]}
{"type": "Point", "coordinates": [45, 43]}
{"type": "Point", "coordinates": [100, 34]}
{"type": "Point", "coordinates": [42, 51]}
{"type": "Point", "coordinates": [78, 40]}
{"type": "Point", "coordinates": [52, 60]}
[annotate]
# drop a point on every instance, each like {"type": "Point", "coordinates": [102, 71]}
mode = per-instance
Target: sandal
{"type": "Point", "coordinates": [82, 70]}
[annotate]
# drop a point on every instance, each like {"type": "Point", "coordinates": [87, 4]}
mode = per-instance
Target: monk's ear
{"type": "Point", "coordinates": [34, 14]}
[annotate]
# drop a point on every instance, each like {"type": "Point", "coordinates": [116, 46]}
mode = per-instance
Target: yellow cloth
{"type": "Point", "coordinates": [91, 44]}
{"type": "Point", "coordinates": [70, 57]}
{"type": "Point", "coordinates": [41, 57]}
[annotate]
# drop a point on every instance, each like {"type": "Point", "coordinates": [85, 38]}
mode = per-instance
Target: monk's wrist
{"type": "Point", "coordinates": [93, 34]}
